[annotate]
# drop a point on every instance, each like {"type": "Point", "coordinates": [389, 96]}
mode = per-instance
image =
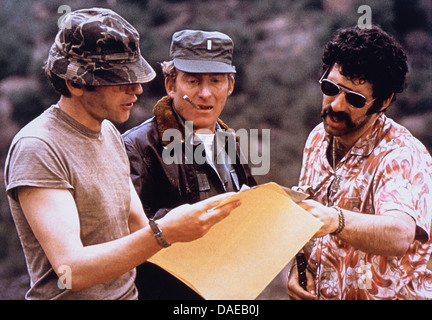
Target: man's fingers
{"type": "Point", "coordinates": [214, 201]}
{"type": "Point", "coordinates": [221, 212]}
{"type": "Point", "coordinates": [295, 291]}
{"type": "Point", "coordinates": [305, 204]}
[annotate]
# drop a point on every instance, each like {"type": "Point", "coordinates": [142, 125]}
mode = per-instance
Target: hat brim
{"type": "Point", "coordinates": [100, 74]}
{"type": "Point", "coordinates": [203, 66]}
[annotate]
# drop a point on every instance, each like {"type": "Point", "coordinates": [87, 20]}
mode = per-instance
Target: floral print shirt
{"type": "Point", "coordinates": [387, 169]}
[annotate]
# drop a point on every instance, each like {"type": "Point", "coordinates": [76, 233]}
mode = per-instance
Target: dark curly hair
{"type": "Point", "coordinates": [370, 55]}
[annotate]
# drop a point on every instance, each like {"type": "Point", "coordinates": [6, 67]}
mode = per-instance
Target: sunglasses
{"type": "Point", "coordinates": [330, 88]}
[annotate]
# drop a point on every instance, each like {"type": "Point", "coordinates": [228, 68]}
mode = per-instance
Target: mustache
{"type": "Point", "coordinates": [341, 116]}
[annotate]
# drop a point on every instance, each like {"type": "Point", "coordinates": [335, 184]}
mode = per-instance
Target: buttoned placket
{"type": "Point", "coordinates": [336, 173]}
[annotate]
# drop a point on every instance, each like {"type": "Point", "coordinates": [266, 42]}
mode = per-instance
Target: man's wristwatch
{"type": "Point", "coordinates": [158, 234]}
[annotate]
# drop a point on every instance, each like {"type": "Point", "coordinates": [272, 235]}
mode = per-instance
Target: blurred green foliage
{"type": "Point", "coordinates": [278, 45]}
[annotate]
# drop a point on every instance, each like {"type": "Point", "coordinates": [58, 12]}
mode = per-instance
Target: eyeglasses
{"type": "Point", "coordinates": [330, 88]}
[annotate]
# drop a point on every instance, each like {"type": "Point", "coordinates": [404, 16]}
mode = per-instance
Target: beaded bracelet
{"type": "Point", "coordinates": [341, 221]}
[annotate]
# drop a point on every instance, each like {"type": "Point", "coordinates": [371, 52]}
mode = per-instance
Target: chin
{"type": "Point", "coordinates": [119, 120]}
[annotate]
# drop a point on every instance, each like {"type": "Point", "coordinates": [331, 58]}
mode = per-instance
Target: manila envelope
{"type": "Point", "coordinates": [243, 253]}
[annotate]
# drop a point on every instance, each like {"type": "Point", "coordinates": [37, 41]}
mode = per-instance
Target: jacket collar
{"type": "Point", "coordinates": [168, 118]}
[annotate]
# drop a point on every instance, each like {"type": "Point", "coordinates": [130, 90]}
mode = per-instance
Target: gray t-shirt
{"type": "Point", "coordinates": [55, 151]}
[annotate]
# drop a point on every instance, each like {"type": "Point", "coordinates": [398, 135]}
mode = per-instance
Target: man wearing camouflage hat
{"type": "Point", "coordinates": [79, 219]}
{"type": "Point", "coordinates": [198, 80]}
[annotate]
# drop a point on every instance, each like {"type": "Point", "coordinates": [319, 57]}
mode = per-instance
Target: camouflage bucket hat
{"type": "Point", "coordinates": [98, 47]}
{"type": "Point", "coordinates": [199, 51]}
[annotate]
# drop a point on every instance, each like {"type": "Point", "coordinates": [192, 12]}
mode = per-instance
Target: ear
{"type": "Point", "coordinates": [74, 89]}
{"type": "Point", "coordinates": [386, 103]}
{"type": "Point", "coordinates": [231, 83]}
{"type": "Point", "coordinates": [169, 87]}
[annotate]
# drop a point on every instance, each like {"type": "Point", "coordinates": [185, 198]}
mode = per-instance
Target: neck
{"type": "Point", "coordinates": [74, 108]}
{"type": "Point", "coordinates": [342, 144]}
{"type": "Point", "coordinates": [338, 151]}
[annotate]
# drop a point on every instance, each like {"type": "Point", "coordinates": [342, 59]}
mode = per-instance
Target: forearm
{"type": "Point", "coordinates": [53, 217]}
{"type": "Point", "coordinates": [102, 262]}
{"type": "Point", "coordinates": [387, 235]}
{"type": "Point", "coordinates": [94, 264]}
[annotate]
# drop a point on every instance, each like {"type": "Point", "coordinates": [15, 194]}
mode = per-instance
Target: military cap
{"type": "Point", "coordinates": [98, 47]}
{"type": "Point", "coordinates": [199, 51]}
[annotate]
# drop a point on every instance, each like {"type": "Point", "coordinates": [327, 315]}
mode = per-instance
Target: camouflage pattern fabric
{"type": "Point", "coordinates": [98, 47]}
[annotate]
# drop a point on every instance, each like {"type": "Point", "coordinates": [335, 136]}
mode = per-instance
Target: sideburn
{"type": "Point", "coordinates": [376, 107]}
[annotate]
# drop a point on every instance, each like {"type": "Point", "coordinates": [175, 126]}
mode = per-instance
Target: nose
{"type": "Point", "coordinates": [339, 102]}
{"type": "Point", "coordinates": [204, 91]}
{"type": "Point", "coordinates": [134, 88]}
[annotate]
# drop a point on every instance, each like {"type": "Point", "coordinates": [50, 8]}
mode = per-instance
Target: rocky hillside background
{"type": "Point", "coordinates": [278, 45]}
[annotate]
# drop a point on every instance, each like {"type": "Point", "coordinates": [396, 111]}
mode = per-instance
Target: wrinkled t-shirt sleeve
{"type": "Point", "coordinates": [32, 162]}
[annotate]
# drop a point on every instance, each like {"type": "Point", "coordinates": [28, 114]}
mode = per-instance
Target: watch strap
{"type": "Point", "coordinates": [158, 234]}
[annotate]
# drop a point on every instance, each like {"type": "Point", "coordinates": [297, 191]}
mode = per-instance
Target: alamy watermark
{"type": "Point", "coordinates": [250, 148]}
{"type": "Point", "coordinates": [65, 277]}
{"type": "Point", "coordinates": [63, 23]}
{"type": "Point", "coordinates": [365, 20]}
{"type": "Point", "coordinates": [364, 281]}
